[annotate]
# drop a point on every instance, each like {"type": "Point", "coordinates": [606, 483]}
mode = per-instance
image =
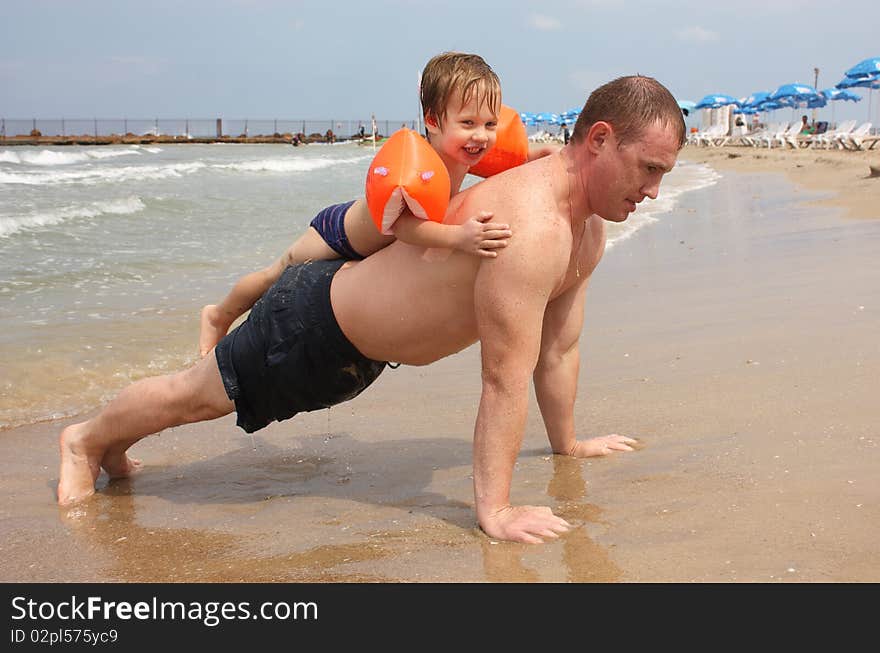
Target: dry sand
{"type": "Point", "coordinates": [845, 176]}
{"type": "Point", "coordinates": [737, 339]}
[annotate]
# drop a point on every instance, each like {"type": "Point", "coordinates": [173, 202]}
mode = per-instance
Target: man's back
{"type": "Point", "coordinates": [415, 306]}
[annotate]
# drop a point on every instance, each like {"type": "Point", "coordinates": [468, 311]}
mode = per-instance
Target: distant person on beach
{"type": "Point", "coordinates": [362, 132]}
{"type": "Point", "coordinates": [806, 128]}
{"type": "Point", "coordinates": [461, 97]}
{"type": "Point", "coordinates": [565, 134]}
{"type": "Point", "coordinates": [323, 332]}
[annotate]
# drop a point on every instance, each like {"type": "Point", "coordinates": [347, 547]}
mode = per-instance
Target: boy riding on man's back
{"type": "Point", "coordinates": [461, 98]}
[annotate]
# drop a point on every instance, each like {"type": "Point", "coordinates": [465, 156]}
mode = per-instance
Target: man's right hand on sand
{"type": "Point", "coordinates": [528, 524]}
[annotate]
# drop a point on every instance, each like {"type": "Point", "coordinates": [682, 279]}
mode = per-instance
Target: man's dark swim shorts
{"type": "Point", "coordinates": [290, 355]}
{"type": "Point", "coordinates": [330, 223]}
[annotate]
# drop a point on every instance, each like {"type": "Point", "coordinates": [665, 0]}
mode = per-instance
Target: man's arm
{"type": "Point", "coordinates": [556, 373]}
{"type": "Point", "coordinates": [556, 376]}
{"type": "Point", "coordinates": [510, 297]}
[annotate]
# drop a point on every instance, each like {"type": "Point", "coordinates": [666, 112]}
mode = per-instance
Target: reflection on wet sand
{"type": "Point", "coordinates": [584, 560]}
{"type": "Point", "coordinates": [332, 509]}
{"type": "Point", "coordinates": [169, 555]}
{"type": "Point", "coordinates": [266, 514]}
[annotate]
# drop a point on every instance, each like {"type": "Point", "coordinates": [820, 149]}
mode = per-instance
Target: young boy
{"type": "Point", "coordinates": [461, 98]}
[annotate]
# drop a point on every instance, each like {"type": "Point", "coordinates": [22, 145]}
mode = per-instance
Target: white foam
{"type": "Point", "coordinates": [110, 153]}
{"type": "Point", "coordinates": [44, 158]}
{"type": "Point", "coordinates": [684, 178]}
{"type": "Point", "coordinates": [91, 176]}
{"type": "Point", "coordinates": [8, 156]}
{"type": "Point", "coordinates": [287, 164]}
{"type": "Point", "coordinates": [15, 223]}
{"type": "Point", "coordinates": [623, 230]}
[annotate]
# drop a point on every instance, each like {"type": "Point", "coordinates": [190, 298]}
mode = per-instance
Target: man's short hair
{"type": "Point", "coordinates": [630, 104]}
{"type": "Point", "coordinates": [457, 72]}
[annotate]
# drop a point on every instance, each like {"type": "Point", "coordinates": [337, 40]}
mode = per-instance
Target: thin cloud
{"type": "Point", "coordinates": [544, 23]}
{"type": "Point", "coordinates": [698, 34]}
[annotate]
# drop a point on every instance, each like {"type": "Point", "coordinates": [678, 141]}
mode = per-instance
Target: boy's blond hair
{"type": "Point", "coordinates": [457, 72]}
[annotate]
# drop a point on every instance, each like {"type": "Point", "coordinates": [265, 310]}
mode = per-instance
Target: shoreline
{"type": "Point", "coordinates": [130, 139]}
{"type": "Point", "coordinates": [844, 174]}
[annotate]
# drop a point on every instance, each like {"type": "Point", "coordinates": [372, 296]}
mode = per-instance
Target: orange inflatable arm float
{"type": "Point", "coordinates": [511, 146]}
{"type": "Point", "coordinates": [407, 171]}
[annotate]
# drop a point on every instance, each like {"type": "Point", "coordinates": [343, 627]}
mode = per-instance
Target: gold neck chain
{"type": "Point", "coordinates": [577, 251]}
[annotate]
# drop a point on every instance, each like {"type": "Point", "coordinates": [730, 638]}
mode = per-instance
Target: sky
{"type": "Point", "coordinates": [335, 59]}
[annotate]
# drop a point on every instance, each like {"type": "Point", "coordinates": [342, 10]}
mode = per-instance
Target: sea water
{"type": "Point", "coordinates": [108, 253]}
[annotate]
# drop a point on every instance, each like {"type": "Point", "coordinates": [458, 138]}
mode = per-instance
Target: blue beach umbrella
{"type": "Point", "coordinates": [716, 101]}
{"type": "Point", "coordinates": [547, 118]}
{"type": "Point", "coordinates": [794, 93]}
{"type": "Point", "coordinates": [867, 67]}
{"type": "Point", "coordinates": [838, 95]}
{"type": "Point", "coordinates": [797, 95]}
{"type": "Point", "coordinates": [817, 102]}
{"type": "Point", "coordinates": [569, 117]}
{"type": "Point", "coordinates": [755, 99]}
{"type": "Point", "coordinates": [753, 103]}
{"type": "Point", "coordinates": [528, 118]}
{"type": "Point", "coordinates": [864, 81]}
{"type": "Point", "coordinates": [687, 105]}
{"type": "Point", "coordinates": [770, 105]}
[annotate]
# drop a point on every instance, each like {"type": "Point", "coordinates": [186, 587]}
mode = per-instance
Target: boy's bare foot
{"type": "Point", "coordinates": [211, 329]}
{"type": "Point", "coordinates": [81, 464]}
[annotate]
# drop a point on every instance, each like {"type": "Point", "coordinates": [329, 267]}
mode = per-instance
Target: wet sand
{"type": "Point", "coordinates": [737, 339]}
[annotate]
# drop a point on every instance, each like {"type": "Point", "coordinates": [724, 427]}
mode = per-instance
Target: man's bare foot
{"type": "Point", "coordinates": [211, 329]}
{"type": "Point", "coordinates": [79, 469]}
{"type": "Point", "coordinates": [118, 464]}
{"type": "Point", "coordinates": [81, 464]}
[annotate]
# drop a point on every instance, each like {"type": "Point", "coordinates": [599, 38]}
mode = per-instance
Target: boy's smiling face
{"type": "Point", "coordinates": [467, 132]}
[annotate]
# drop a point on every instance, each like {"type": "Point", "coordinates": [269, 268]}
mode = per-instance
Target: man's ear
{"type": "Point", "coordinates": [600, 135]}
